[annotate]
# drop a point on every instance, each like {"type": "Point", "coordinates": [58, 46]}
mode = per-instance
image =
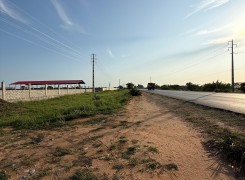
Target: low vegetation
{"type": "Point", "coordinates": [229, 142]}
{"type": "Point", "coordinates": [152, 149]}
{"type": "Point", "coordinates": [135, 92]}
{"type": "Point", "coordinates": [56, 112]}
{"type": "Point", "coordinates": [3, 175]}
{"type": "Point", "coordinates": [61, 152]}
{"type": "Point", "coordinates": [133, 89]}
{"type": "Point", "coordinates": [83, 174]}
{"type": "Point", "coordinates": [217, 86]}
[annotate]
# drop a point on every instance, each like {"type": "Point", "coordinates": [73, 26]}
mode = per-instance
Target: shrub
{"type": "Point", "coordinates": [135, 92]}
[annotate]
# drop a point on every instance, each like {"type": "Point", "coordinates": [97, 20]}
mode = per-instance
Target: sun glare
{"type": "Point", "coordinates": [240, 27]}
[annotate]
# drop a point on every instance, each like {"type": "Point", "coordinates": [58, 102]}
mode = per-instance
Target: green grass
{"type": "Point", "coordinates": [57, 111]}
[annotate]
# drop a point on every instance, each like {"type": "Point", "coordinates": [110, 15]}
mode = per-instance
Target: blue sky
{"type": "Point", "coordinates": [171, 41]}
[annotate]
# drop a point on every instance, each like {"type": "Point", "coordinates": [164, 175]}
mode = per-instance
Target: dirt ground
{"type": "Point", "coordinates": [143, 141]}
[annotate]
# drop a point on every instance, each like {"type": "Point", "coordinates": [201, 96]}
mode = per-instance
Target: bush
{"type": "Point", "coordinates": [135, 92]}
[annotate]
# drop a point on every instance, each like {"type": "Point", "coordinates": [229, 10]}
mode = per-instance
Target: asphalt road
{"type": "Point", "coordinates": [228, 101]}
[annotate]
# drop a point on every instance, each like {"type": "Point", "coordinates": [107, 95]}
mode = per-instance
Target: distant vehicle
{"type": "Point", "coordinates": [151, 86]}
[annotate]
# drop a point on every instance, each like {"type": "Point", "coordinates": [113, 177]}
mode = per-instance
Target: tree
{"type": "Point", "coordinates": [130, 85]}
{"type": "Point", "coordinates": [140, 86]}
{"type": "Point", "coordinates": [217, 87]}
{"type": "Point", "coordinates": [165, 87]}
{"type": "Point", "coordinates": [120, 87]}
{"type": "Point", "coordinates": [192, 87]}
{"type": "Point", "coordinates": [242, 87]}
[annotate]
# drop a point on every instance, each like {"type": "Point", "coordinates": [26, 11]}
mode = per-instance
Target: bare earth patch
{"type": "Point", "coordinates": [143, 141]}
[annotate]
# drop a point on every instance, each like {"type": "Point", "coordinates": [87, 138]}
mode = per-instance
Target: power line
{"type": "Point", "coordinates": [31, 42]}
{"type": "Point", "coordinates": [47, 27]}
{"type": "Point", "coordinates": [48, 42]}
{"type": "Point", "coordinates": [43, 39]}
{"type": "Point", "coordinates": [192, 65]}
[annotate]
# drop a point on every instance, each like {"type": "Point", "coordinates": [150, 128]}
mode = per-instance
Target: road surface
{"type": "Point", "coordinates": [228, 101]}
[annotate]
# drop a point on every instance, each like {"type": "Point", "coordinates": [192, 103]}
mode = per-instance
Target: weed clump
{"type": "Point", "coordinates": [151, 164]}
{"type": "Point", "coordinates": [118, 166]}
{"type": "Point", "coordinates": [83, 174]}
{"type": "Point", "coordinates": [3, 175]}
{"type": "Point", "coordinates": [134, 141]}
{"type": "Point", "coordinates": [97, 144]}
{"type": "Point", "coordinates": [171, 166]}
{"type": "Point", "coordinates": [94, 121]}
{"type": "Point", "coordinates": [61, 152]}
{"type": "Point", "coordinates": [122, 140]}
{"type": "Point", "coordinates": [152, 149]}
{"type": "Point", "coordinates": [39, 138]}
{"type": "Point", "coordinates": [129, 152]}
{"type": "Point", "coordinates": [112, 147]}
{"type": "Point", "coordinates": [231, 147]}
{"type": "Point", "coordinates": [93, 138]}
{"type": "Point", "coordinates": [132, 162]}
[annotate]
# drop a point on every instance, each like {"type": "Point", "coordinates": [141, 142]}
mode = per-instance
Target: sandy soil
{"type": "Point", "coordinates": [143, 141]}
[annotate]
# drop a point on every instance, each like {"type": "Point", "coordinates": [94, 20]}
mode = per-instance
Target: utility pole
{"type": "Point", "coordinates": [232, 64]}
{"type": "Point", "coordinates": [93, 58]}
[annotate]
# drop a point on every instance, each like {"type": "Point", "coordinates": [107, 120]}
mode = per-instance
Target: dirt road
{"type": "Point", "coordinates": [143, 141]}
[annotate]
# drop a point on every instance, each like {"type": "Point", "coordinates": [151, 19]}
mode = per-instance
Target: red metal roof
{"type": "Point", "coordinates": [53, 82]}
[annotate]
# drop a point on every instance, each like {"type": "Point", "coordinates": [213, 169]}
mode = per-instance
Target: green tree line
{"type": "Point", "coordinates": [217, 86]}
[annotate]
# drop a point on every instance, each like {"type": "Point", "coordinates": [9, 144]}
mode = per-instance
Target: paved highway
{"type": "Point", "coordinates": [228, 101]}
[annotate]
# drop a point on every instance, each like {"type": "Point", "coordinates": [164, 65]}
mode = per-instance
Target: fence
{"type": "Point", "coordinates": [37, 94]}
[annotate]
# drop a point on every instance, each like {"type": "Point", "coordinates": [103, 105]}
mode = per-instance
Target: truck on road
{"type": "Point", "coordinates": [151, 86]}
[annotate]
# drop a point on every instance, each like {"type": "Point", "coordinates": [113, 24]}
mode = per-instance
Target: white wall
{"type": "Point", "coordinates": [37, 94]}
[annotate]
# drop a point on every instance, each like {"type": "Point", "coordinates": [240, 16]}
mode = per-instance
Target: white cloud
{"type": "Point", "coordinates": [6, 9]}
{"type": "Point", "coordinates": [206, 5]}
{"type": "Point", "coordinates": [61, 12]}
{"type": "Point", "coordinates": [74, 28]}
{"type": "Point", "coordinates": [68, 24]}
{"type": "Point", "coordinates": [213, 30]}
{"type": "Point", "coordinates": [110, 53]}
{"type": "Point", "coordinates": [221, 40]}
{"type": "Point", "coordinates": [191, 31]}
